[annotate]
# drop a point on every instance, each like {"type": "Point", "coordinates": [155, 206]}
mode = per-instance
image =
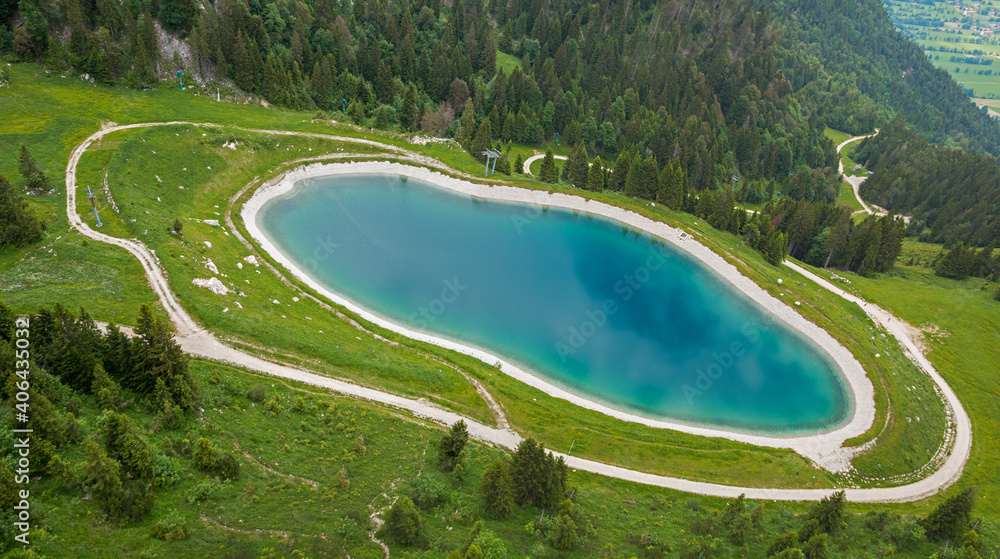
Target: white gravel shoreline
{"type": "Point", "coordinates": [825, 449]}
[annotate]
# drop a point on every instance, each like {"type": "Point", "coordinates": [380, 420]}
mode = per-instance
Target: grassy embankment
{"type": "Point", "coordinates": [290, 496]}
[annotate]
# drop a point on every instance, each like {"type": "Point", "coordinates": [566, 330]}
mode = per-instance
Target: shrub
{"type": "Point", "coordinates": [427, 493]}
{"type": "Point", "coordinates": [204, 455]}
{"type": "Point", "coordinates": [172, 527]}
{"type": "Point", "coordinates": [564, 534]}
{"type": "Point", "coordinates": [204, 490]}
{"type": "Point", "coordinates": [257, 393]}
{"type": "Point", "coordinates": [227, 467]}
{"type": "Point", "coordinates": [165, 471]}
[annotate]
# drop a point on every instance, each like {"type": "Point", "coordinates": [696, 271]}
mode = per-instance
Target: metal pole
{"type": "Point", "coordinates": [494, 171]}
{"type": "Point", "coordinates": [93, 205]}
{"type": "Point", "coordinates": [486, 171]}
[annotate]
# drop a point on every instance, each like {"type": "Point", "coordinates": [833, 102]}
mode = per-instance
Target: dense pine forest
{"type": "Point", "coordinates": [951, 192]}
{"type": "Point", "coordinates": [861, 71]}
{"type": "Point", "coordinates": [706, 92]}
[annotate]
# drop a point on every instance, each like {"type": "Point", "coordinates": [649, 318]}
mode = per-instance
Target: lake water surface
{"type": "Point", "coordinates": [604, 311]}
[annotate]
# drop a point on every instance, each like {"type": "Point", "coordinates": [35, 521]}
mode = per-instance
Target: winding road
{"type": "Point", "coordinates": [854, 181]}
{"type": "Point", "coordinates": [536, 157]}
{"type": "Point", "coordinates": [196, 341]}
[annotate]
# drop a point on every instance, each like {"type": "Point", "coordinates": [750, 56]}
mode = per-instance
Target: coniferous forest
{"type": "Point", "coordinates": [952, 193]}
{"type": "Point", "coordinates": [677, 97]}
{"type": "Point", "coordinates": [734, 88]}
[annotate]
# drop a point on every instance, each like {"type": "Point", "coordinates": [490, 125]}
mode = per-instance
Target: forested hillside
{"type": "Point", "coordinates": [726, 88]}
{"type": "Point", "coordinates": [682, 96]}
{"type": "Point", "coordinates": [865, 70]}
{"type": "Point", "coordinates": [953, 193]}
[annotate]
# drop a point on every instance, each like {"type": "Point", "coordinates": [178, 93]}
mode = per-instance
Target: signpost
{"type": "Point", "coordinates": [180, 76]}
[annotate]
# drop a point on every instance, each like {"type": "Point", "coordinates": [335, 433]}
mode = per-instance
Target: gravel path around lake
{"type": "Point", "coordinates": [196, 341]}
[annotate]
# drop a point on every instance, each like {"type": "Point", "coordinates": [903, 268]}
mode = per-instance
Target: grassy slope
{"type": "Point", "coordinates": [554, 422]}
{"type": "Point", "coordinates": [963, 325]}
{"type": "Point", "coordinates": [269, 509]}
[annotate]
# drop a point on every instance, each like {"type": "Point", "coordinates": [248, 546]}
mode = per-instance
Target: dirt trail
{"type": "Point", "coordinates": [196, 341]}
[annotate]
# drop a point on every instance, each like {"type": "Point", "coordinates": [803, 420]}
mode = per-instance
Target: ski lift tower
{"type": "Point", "coordinates": [494, 155]}
{"type": "Point", "coordinates": [90, 196]}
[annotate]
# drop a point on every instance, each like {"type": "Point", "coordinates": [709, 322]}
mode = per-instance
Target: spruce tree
{"type": "Point", "coordinates": [563, 535]}
{"type": "Point", "coordinates": [620, 173]}
{"type": "Point", "coordinates": [671, 185]}
{"type": "Point", "coordinates": [497, 491]}
{"type": "Point", "coordinates": [634, 179]}
{"type": "Point", "coordinates": [18, 224]}
{"type": "Point", "coordinates": [357, 113]}
{"type": "Point", "coordinates": [538, 477]}
{"type": "Point", "coordinates": [595, 175]}
{"type": "Point", "coordinates": [577, 169]}
{"type": "Point", "coordinates": [408, 110]}
{"type": "Point", "coordinates": [483, 139]}
{"type": "Point", "coordinates": [830, 513]}
{"type": "Point", "coordinates": [242, 65]}
{"type": "Point", "coordinates": [650, 179]}
{"type": "Point", "coordinates": [951, 518]}
{"type": "Point", "coordinates": [402, 523]}
{"type": "Point", "coordinates": [452, 444]}
{"type": "Point", "coordinates": [549, 172]}
{"type": "Point", "coordinates": [103, 474]}
{"type": "Point", "coordinates": [518, 165]}
{"type": "Point", "coordinates": [466, 131]}
{"type": "Point", "coordinates": [957, 262]}
{"type": "Point", "coordinates": [104, 389]}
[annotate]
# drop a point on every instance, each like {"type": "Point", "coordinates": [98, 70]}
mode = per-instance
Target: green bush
{"type": "Point", "coordinates": [165, 471]}
{"type": "Point", "coordinates": [428, 493]}
{"type": "Point", "coordinates": [172, 527]}
{"type": "Point", "coordinates": [257, 393]}
{"type": "Point", "coordinates": [205, 489]}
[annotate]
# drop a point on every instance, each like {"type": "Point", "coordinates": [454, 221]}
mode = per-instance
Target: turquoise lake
{"type": "Point", "coordinates": [588, 304]}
